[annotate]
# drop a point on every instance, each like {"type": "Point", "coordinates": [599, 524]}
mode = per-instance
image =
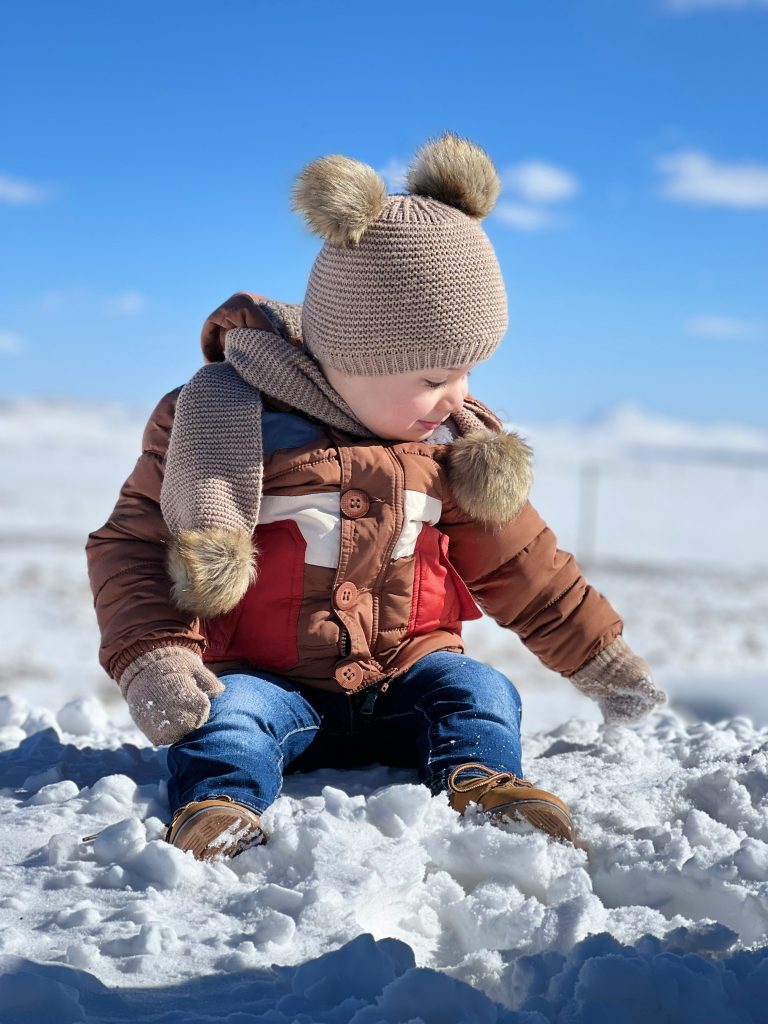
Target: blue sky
{"type": "Point", "coordinates": [147, 152]}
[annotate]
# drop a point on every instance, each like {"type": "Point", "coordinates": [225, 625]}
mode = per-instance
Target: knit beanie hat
{"type": "Point", "coordinates": [407, 281]}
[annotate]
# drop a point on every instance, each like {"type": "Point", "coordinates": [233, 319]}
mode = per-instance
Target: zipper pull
{"type": "Point", "coordinates": [369, 702]}
{"type": "Point", "coordinates": [371, 696]}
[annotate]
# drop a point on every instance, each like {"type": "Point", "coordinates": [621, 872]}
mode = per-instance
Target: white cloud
{"type": "Point", "coordinates": [534, 183]}
{"type": "Point", "coordinates": [10, 343]}
{"type": "Point", "coordinates": [394, 175]}
{"type": "Point", "coordinates": [58, 300]}
{"type": "Point", "coordinates": [539, 182]}
{"type": "Point", "coordinates": [712, 5]}
{"type": "Point", "coordinates": [724, 328]}
{"type": "Point", "coordinates": [694, 177]}
{"type": "Point", "coordinates": [524, 217]}
{"type": "Point", "coordinates": [87, 300]}
{"type": "Point", "coordinates": [15, 192]}
{"type": "Point", "coordinates": [125, 304]}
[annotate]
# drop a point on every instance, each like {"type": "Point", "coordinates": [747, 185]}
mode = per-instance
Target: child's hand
{"type": "Point", "coordinates": [624, 705]}
{"type": "Point", "coordinates": [621, 684]}
{"type": "Point", "coordinates": [168, 690]}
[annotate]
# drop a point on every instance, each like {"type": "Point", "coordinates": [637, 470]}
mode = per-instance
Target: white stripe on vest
{"type": "Point", "coordinates": [420, 508]}
{"type": "Point", "coordinates": [318, 518]}
{"type": "Point", "coordinates": [316, 515]}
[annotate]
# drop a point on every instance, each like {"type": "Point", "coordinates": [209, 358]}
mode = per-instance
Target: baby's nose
{"type": "Point", "coordinates": [453, 397]}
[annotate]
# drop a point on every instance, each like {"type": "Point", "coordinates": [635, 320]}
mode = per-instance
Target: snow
{"type": "Point", "coordinates": [373, 901]}
{"type": "Point", "coordinates": [421, 912]}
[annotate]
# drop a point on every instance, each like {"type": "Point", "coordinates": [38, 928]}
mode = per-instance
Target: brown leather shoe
{"type": "Point", "coordinates": [215, 828]}
{"type": "Point", "coordinates": [503, 794]}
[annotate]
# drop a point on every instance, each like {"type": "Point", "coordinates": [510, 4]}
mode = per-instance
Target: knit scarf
{"type": "Point", "coordinates": [214, 464]}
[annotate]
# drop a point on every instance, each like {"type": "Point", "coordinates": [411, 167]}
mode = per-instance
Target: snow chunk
{"type": "Point", "coordinates": [717, 839]}
{"type": "Point", "coordinates": [13, 711]}
{"type": "Point", "coordinates": [151, 938]}
{"type": "Point", "coordinates": [79, 917]}
{"type": "Point", "coordinates": [37, 720]}
{"type": "Point", "coordinates": [120, 843]}
{"type": "Point", "coordinates": [55, 793]}
{"type": "Point", "coordinates": [752, 859]}
{"type": "Point", "coordinates": [83, 717]}
{"type": "Point", "coordinates": [110, 796]}
{"type": "Point", "coordinates": [165, 865]}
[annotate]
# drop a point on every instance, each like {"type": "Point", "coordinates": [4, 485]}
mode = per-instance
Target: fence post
{"type": "Point", "coordinates": [587, 522]}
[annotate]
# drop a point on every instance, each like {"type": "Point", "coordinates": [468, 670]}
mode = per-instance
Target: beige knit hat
{"type": "Point", "coordinates": [407, 281]}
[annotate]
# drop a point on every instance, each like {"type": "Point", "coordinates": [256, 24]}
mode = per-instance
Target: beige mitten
{"type": "Point", "coordinates": [168, 690]}
{"type": "Point", "coordinates": [621, 684]}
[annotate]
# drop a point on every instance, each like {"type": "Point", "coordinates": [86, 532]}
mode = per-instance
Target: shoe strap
{"type": "Point", "coordinates": [485, 778]}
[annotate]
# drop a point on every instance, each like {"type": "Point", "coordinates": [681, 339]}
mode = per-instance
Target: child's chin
{"type": "Point", "coordinates": [413, 433]}
{"type": "Point", "coordinates": [417, 431]}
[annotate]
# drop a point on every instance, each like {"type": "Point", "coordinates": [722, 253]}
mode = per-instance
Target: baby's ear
{"type": "Point", "coordinates": [489, 475]}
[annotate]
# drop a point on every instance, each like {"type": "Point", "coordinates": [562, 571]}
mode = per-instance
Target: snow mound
{"type": "Point", "coordinates": [628, 427]}
{"type": "Point", "coordinates": [67, 423]}
{"type": "Point", "coordinates": [377, 982]}
{"type": "Point", "coordinates": [378, 902]}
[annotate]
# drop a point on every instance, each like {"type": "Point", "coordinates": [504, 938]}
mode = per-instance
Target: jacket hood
{"type": "Point", "coordinates": [245, 309]}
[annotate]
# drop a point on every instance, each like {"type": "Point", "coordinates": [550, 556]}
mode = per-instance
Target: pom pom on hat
{"type": "Point", "coordinates": [457, 172]}
{"type": "Point", "coordinates": [339, 197]}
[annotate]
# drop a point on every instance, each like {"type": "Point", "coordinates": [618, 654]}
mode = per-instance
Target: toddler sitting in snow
{"type": "Point", "coordinates": [284, 576]}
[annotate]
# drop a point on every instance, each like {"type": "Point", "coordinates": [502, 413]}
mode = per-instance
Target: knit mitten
{"type": "Point", "coordinates": [621, 684]}
{"type": "Point", "coordinates": [168, 690]}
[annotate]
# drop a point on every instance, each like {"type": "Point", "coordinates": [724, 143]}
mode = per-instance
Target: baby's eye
{"type": "Point", "coordinates": [442, 383]}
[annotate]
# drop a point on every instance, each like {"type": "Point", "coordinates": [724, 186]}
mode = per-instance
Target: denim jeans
{"type": "Point", "coordinates": [444, 711]}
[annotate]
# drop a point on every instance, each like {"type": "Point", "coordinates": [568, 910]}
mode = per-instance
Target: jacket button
{"type": "Point", "coordinates": [349, 675]}
{"type": "Point", "coordinates": [346, 595]}
{"type": "Point", "coordinates": [355, 503]}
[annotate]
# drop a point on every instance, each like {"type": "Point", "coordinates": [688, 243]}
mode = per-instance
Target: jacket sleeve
{"type": "Point", "coordinates": [519, 576]}
{"type": "Point", "coordinates": [126, 561]}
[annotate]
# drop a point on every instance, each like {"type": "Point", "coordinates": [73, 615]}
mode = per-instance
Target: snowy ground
{"type": "Point", "coordinates": [376, 901]}
{"type": "Point", "coordinates": [672, 889]}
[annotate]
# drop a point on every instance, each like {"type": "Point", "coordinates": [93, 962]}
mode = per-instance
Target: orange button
{"type": "Point", "coordinates": [349, 675]}
{"type": "Point", "coordinates": [346, 595]}
{"type": "Point", "coordinates": [355, 503]}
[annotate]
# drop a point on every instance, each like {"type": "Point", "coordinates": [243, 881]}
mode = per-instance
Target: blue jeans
{"type": "Point", "coordinates": [444, 711]}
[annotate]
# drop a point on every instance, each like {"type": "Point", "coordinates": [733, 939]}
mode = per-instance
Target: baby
{"type": "Point", "coordinates": [282, 583]}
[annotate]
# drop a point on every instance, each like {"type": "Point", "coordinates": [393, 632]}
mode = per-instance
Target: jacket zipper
{"type": "Point", "coordinates": [376, 586]}
{"type": "Point", "coordinates": [344, 644]}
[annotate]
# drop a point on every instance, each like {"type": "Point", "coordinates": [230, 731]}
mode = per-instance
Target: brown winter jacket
{"type": "Point", "coordinates": [366, 563]}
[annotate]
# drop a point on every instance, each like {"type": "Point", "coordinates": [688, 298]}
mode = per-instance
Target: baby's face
{"type": "Point", "coordinates": [403, 406]}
